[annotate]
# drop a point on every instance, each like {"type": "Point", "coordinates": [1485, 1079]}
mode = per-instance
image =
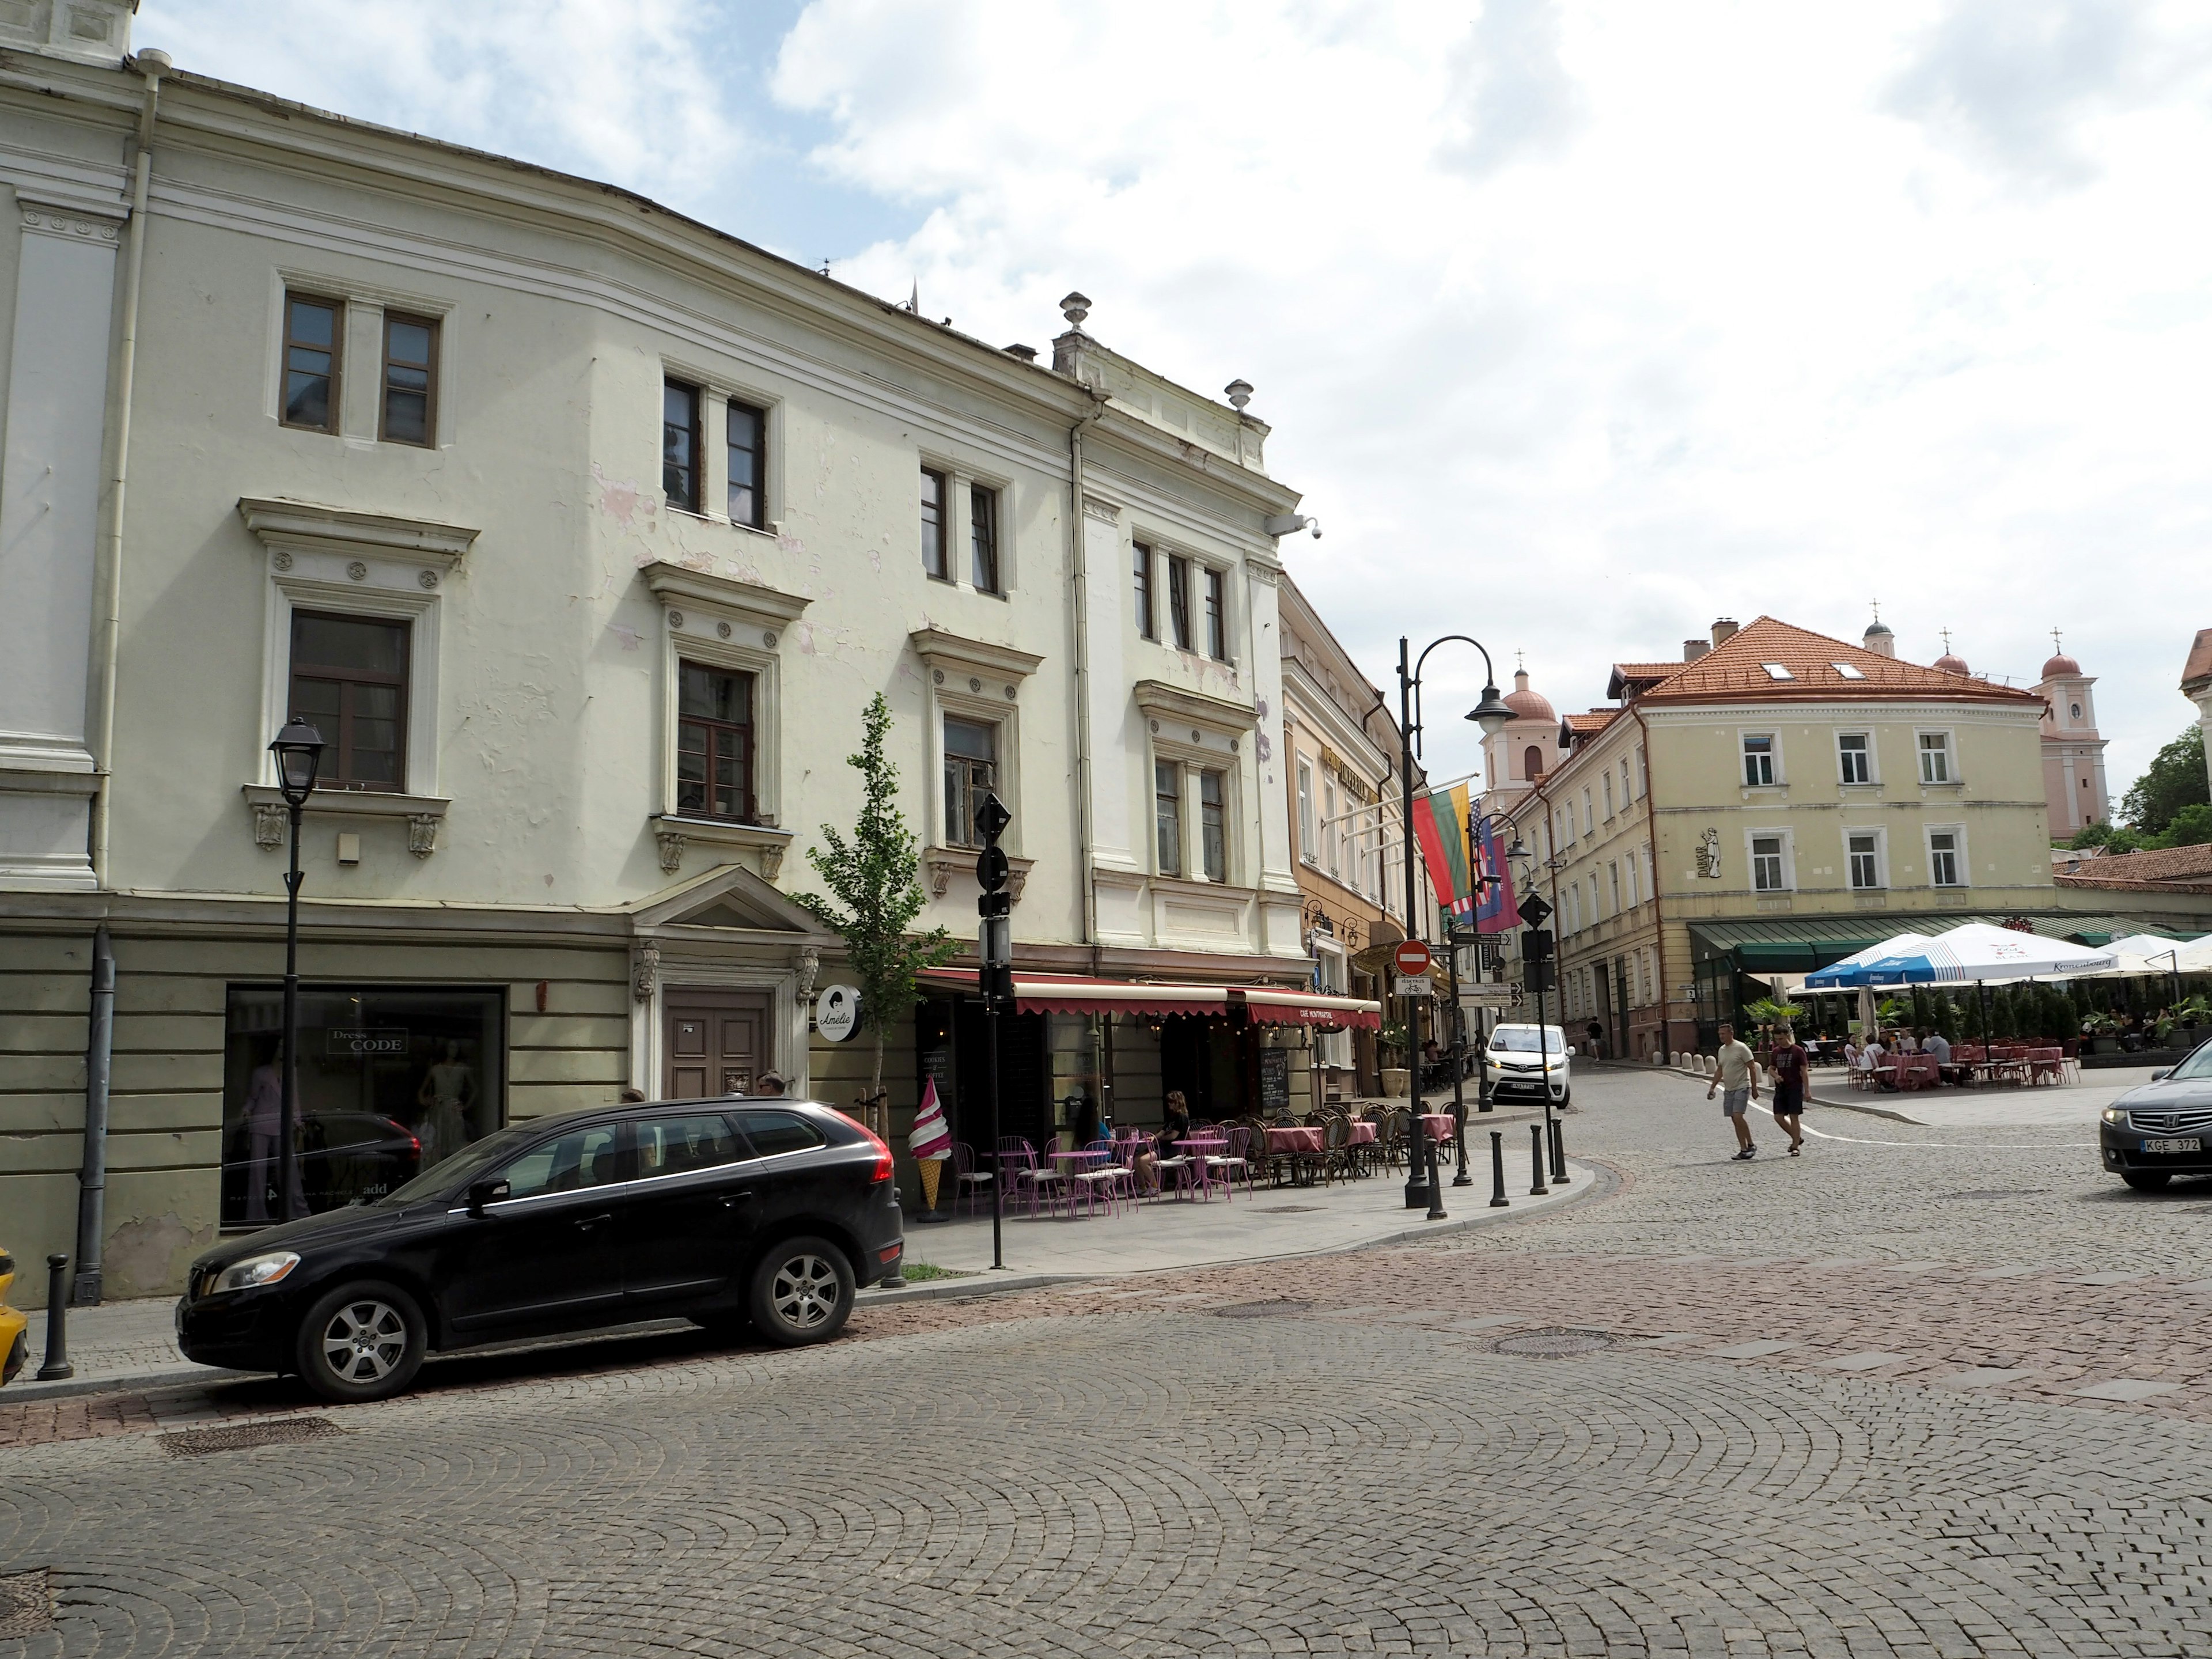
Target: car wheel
{"type": "Point", "coordinates": [1567, 1097]}
{"type": "Point", "coordinates": [2147, 1181]}
{"type": "Point", "coordinates": [362, 1341]}
{"type": "Point", "coordinates": [802, 1293]}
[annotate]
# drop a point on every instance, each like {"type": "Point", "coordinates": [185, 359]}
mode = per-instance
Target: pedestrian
{"type": "Point", "coordinates": [1736, 1074]}
{"type": "Point", "coordinates": [771, 1084]}
{"type": "Point", "coordinates": [1789, 1063]}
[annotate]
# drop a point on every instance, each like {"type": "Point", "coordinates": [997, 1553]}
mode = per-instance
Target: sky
{"type": "Point", "coordinates": [1579, 323]}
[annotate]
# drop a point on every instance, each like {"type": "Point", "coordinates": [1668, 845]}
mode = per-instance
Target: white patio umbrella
{"type": "Point", "coordinates": [2196, 956]}
{"type": "Point", "coordinates": [1981, 953]}
{"type": "Point", "coordinates": [1839, 975]}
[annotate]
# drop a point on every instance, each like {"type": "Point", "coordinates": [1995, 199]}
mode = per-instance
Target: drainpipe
{"type": "Point", "coordinates": [1658, 913]}
{"type": "Point", "coordinates": [92, 1181]}
{"type": "Point", "coordinates": [1078, 588]}
{"type": "Point", "coordinates": [153, 65]}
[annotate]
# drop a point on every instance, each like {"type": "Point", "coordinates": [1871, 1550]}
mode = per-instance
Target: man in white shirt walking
{"type": "Point", "coordinates": [1735, 1076]}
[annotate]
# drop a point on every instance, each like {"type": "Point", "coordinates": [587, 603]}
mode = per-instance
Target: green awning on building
{"type": "Point", "coordinates": [1799, 945]}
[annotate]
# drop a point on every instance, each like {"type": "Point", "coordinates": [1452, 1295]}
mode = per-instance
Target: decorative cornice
{"type": "Point", "coordinates": [946, 652]}
{"type": "Point", "coordinates": [1159, 697]}
{"type": "Point", "coordinates": [941, 864]}
{"type": "Point", "coordinates": [767, 608]}
{"type": "Point", "coordinates": [72, 223]}
{"type": "Point", "coordinates": [1104, 512]}
{"type": "Point", "coordinates": [765, 841]}
{"type": "Point", "coordinates": [285, 525]}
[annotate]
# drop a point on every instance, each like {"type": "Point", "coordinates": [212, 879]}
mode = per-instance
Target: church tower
{"type": "Point", "coordinates": [2073, 753]}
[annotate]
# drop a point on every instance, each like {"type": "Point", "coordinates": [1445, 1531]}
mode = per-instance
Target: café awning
{"type": "Point", "coordinates": [1070, 993]}
{"type": "Point", "coordinates": [1311, 1008]}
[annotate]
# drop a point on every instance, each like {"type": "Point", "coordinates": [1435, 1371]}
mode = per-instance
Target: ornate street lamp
{"type": "Point", "coordinates": [299, 752]}
{"type": "Point", "coordinates": [1491, 715]}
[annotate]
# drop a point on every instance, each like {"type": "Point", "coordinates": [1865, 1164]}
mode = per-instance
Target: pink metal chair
{"type": "Point", "coordinates": [1017, 1163]}
{"type": "Point", "coordinates": [970, 1186]}
{"type": "Point", "coordinates": [1095, 1181]}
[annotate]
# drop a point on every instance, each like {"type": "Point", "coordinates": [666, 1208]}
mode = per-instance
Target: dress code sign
{"type": "Point", "coordinates": [363, 1045]}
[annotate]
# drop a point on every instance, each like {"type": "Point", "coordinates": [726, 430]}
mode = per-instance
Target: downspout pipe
{"type": "Point", "coordinates": [153, 65]}
{"type": "Point", "coordinates": [1658, 908]}
{"type": "Point", "coordinates": [1079, 593]}
{"type": "Point", "coordinates": [92, 1179]}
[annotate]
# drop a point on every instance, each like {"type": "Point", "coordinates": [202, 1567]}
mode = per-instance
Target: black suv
{"type": "Point", "coordinates": [727, 1212]}
{"type": "Point", "coordinates": [2164, 1129]}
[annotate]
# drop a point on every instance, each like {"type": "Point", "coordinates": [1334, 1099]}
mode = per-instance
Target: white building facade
{"type": "Point", "coordinates": [585, 533]}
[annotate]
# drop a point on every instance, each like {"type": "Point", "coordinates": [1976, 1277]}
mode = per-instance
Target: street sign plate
{"type": "Point", "coordinates": [1423, 986]}
{"type": "Point", "coordinates": [1411, 957]}
{"type": "Point", "coordinates": [1489, 996]}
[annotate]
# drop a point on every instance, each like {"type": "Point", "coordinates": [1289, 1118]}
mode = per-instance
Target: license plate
{"type": "Point", "coordinates": [2194, 1144]}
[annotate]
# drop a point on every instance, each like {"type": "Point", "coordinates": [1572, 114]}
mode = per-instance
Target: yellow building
{"type": "Point", "coordinates": [1772, 803]}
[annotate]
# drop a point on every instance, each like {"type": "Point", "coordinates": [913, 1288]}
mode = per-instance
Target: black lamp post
{"type": "Point", "coordinates": [1492, 715]}
{"type": "Point", "coordinates": [299, 752]}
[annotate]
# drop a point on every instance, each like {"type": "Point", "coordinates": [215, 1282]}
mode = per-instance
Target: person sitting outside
{"type": "Point", "coordinates": [1150, 1158]}
{"type": "Point", "coordinates": [1935, 1044]}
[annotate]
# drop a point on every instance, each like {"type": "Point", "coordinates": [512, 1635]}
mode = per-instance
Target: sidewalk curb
{"type": "Point", "coordinates": [185, 1376]}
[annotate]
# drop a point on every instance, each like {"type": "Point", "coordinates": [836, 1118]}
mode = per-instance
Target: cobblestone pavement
{"type": "Point", "coordinates": [1827, 1405]}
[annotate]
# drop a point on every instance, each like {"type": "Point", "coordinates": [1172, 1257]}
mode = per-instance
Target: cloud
{"type": "Point", "coordinates": [1512, 93]}
{"type": "Point", "coordinates": [2010, 81]}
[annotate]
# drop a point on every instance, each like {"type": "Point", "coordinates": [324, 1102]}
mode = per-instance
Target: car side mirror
{"type": "Point", "coordinates": [483, 1192]}
{"type": "Point", "coordinates": [2157, 1075]}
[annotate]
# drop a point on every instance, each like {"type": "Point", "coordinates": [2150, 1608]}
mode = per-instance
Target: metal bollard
{"type": "Point", "coordinates": [1536, 1160]}
{"type": "Point", "coordinates": [58, 1365]}
{"type": "Point", "coordinates": [1559, 1152]}
{"type": "Point", "coordinates": [1497, 1198]}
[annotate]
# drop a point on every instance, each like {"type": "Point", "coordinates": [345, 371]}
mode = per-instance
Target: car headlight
{"type": "Point", "coordinates": [2115, 1116]}
{"type": "Point", "coordinates": [254, 1270]}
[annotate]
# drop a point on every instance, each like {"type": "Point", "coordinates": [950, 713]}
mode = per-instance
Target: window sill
{"type": "Point", "coordinates": [675, 832]}
{"type": "Point", "coordinates": [940, 865]}
{"type": "Point", "coordinates": [423, 813]}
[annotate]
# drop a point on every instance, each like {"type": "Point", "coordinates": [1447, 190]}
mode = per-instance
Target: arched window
{"type": "Point", "coordinates": [1532, 762]}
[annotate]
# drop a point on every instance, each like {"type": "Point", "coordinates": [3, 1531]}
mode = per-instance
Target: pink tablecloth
{"type": "Point", "coordinates": [1438, 1124]}
{"type": "Point", "coordinates": [1294, 1139]}
{"type": "Point", "coordinates": [1363, 1133]}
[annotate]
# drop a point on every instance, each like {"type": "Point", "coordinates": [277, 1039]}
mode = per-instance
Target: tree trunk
{"type": "Point", "coordinates": [877, 1109]}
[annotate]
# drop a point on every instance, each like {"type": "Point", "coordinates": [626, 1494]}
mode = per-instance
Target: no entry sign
{"type": "Point", "coordinates": [1411, 958]}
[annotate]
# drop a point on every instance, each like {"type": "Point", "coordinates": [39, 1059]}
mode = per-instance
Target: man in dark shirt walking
{"type": "Point", "coordinates": [1789, 1066]}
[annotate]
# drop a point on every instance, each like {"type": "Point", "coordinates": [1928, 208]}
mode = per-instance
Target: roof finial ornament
{"type": "Point", "coordinates": [1520, 659]}
{"type": "Point", "coordinates": [1239, 393]}
{"type": "Point", "coordinates": [1946, 633]}
{"type": "Point", "coordinates": [1877, 612]}
{"type": "Point", "coordinates": [1075, 307]}
{"type": "Point", "coordinates": [2058, 648]}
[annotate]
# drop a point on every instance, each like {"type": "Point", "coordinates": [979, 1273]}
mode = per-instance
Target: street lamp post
{"type": "Point", "coordinates": [299, 752]}
{"type": "Point", "coordinates": [1492, 715]}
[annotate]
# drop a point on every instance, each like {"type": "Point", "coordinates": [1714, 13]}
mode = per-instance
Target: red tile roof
{"type": "Point", "coordinates": [1590, 724]}
{"type": "Point", "coordinates": [2166, 864]}
{"type": "Point", "coordinates": [1735, 670]}
{"type": "Point", "coordinates": [2200, 660]}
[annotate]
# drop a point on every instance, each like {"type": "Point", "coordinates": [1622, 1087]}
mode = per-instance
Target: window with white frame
{"type": "Point", "coordinates": [1596, 915]}
{"type": "Point", "coordinates": [1589, 815]}
{"type": "Point", "coordinates": [1332, 827]}
{"type": "Point", "coordinates": [1217, 614]}
{"type": "Point", "coordinates": [1759, 768]}
{"type": "Point", "coordinates": [1332, 979]}
{"type": "Point", "coordinates": [971, 771]}
{"type": "Point", "coordinates": [1167, 815]}
{"type": "Point", "coordinates": [1855, 757]}
{"type": "Point", "coordinates": [1613, 874]}
{"type": "Point", "coordinates": [1179, 600]}
{"type": "Point", "coordinates": [1305, 812]}
{"type": "Point", "coordinates": [1638, 774]}
{"type": "Point", "coordinates": [1626, 794]}
{"type": "Point", "coordinates": [1862, 855]}
{"type": "Point", "coordinates": [1946, 858]}
{"type": "Point", "coordinates": [1635, 896]}
{"type": "Point", "coordinates": [1213, 824]}
{"type": "Point", "coordinates": [1936, 759]}
{"type": "Point", "coordinates": [1608, 796]}
{"type": "Point", "coordinates": [1574, 906]}
{"type": "Point", "coordinates": [1140, 567]}
{"type": "Point", "coordinates": [1769, 872]}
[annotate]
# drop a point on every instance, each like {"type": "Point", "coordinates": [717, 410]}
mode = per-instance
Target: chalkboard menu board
{"type": "Point", "coordinates": [1274, 1082]}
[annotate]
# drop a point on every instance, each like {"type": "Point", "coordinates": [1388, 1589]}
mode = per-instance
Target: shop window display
{"type": "Point", "coordinates": [392, 1080]}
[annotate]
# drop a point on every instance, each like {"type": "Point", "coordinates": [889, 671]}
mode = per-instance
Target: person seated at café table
{"type": "Point", "coordinates": [1146, 1164]}
{"type": "Point", "coordinates": [1935, 1044]}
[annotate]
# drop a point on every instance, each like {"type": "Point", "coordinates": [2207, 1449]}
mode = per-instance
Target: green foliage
{"type": "Point", "coordinates": [2174, 778]}
{"type": "Point", "coordinates": [875, 895]}
{"type": "Point", "coordinates": [2190, 827]}
{"type": "Point", "coordinates": [2004, 1014]}
{"type": "Point", "coordinates": [1767, 1010]}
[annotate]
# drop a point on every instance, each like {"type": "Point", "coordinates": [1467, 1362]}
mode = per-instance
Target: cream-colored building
{"type": "Point", "coordinates": [585, 531]}
{"type": "Point", "coordinates": [1776, 801]}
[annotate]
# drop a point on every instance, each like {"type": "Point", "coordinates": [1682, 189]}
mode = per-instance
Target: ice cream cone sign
{"type": "Point", "coordinates": [930, 1141]}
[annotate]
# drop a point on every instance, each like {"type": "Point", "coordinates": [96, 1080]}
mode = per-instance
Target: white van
{"type": "Point", "coordinates": [1519, 1066]}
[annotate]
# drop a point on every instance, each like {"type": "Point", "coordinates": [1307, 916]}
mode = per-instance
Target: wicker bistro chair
{"type": "Point", "coordinates": [970, 1186]}
{"type": "Point", "coordinates": [1338, 1156]}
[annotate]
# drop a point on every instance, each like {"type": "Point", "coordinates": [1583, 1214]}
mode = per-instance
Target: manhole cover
{"type": "Point", "coordinates": [2003, 1192]}
{"type": "Point", "coordinates": [237, 1436]}
{"type": "Point", "coordinates": [1553, 1342]}
{"type": "Point", "coordinates": [1278, 1307]}
{"type": "Point", "coordinates": [27, 1603]}
{"type": "Point", "coordinates": [1289, 1209]}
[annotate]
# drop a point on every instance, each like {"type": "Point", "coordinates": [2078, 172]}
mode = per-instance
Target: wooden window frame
{"type": "Point", "coordinates": [961, 791]}
{"type": "Point", "coordinates": [746, 733]}
{"type": "Point", "coordinates": [1214, 825]}
{"type": "Point", "coordinates": [692, 502]}
{"type": "Point", "coordinates": [758, 518]}
{"type": "Point", "coordinates": [936, 540]}
{"type": "Point", "coordinates": [1164, 768]}
{"type": "Point", "coordinates": [1179, 619]}
{"type": "Point", "coordinates": [337, 349]}
{"type": "Point", "coordinates": [983, 541]}
{"type": "Point", "coordinates": [430, 438]}
{"type": "Point", "coordinates": [339, 753]}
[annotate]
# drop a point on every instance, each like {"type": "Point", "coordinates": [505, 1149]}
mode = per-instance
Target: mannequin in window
{"type": "Point", "coordinates": [264, 1108]}
{"type": "Point", "coordinates": [448, 1090]}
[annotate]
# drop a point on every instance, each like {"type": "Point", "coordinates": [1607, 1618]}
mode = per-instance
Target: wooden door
{"type": "Point", "coordinates": [715, 1043]}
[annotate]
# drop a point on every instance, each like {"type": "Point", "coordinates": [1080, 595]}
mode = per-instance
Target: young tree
{"type": "Point", "coordinates": [875, 897]}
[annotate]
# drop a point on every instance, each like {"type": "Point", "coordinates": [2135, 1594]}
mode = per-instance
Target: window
{"type": "Point", "coordinates": [1758, 762]}
{"type": "Point", "coordinates": [747, 436]}
{"type": "Point", "coordinates": [1305, 812]}
{"type": "Point", "coordinates": [771, 1132]}
{"type": "Point", "coordinates": [971, 770]}
{"type": "Point", "coordinates": [1944, 858]}
{"type": "Point", "coordinates": [2077, 710]}
{"type": "Point", "coordinates": [1766, 872]}
{"type": "Point", "coordinates": [932, 526]}
{"type": "Point", "coordinates": [1855, 756]}
{"type": "Point", "coordinates": [678, 1146]}
{"type": "Point", "coordinates": [1166, 814]}
{"type": "Point", "coordinates": [570, 1162]}
{"type": "Point", "coordinates": [311, 363]}
{"type": "Point", "coordinates": [1639, 773]}
{"type": "Point", "coordinates": [1596, 910]}
{"type": "Point", "coordinates": [1935, 757]}
{"type": "Point", "coordinates": [1532, 762]}
{"type": "Point", "coordinates": [349, 680]}
{"type": "Point", "coordinates": [1332, 827]}
{"type": "Point", "coordinates": [1148, 625]}
{"type": "Point", "coordinates": [1864, 852]}
{"type": "Point", "coordinates": [1625, 794]}
{"type": "Point", "coordinates": [1849, 671]}
{"type": "Point", "coordinates": [411, 380]}
{"type": "Point", "coordinates": [1217, 616]}
{"type": "Point", "coordinates": [983, 538]}
{"type": "Point", "coordinates": [1612, 871]}
{"type": "Point", "coordinates": [714, 743]}
{"type": "Point", "coordinates": [1574, 907]}
{"type": "Point", "coordinates": [1589, 815]}
{"type": "Point", "coordinates": [1775, 671]}
{"type": "Point", "coordinates": [1179, 599]}
{"type": "Point", "coordinates": [679, 445]}
{"type": "Point", "coordinates": [1214, 825]}
{"type": "Point", "coordinates": [1608, 796]}
{"type": "Point", "coordinates": [1635, 897]}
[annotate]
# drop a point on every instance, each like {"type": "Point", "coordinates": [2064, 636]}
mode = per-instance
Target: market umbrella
{"type": "Point", "coordinates": [1843, 976]}
{"type": "Point", "coordinates": [1979, 952]}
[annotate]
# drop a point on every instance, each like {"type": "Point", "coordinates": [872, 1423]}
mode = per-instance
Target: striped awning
{"type": "Point", "coordinates": [1311, 1008]}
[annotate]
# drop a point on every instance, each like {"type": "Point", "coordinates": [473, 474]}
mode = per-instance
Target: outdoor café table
{"type": "Point", "coordinates": [1074, 1163]}
{"type": "Point", "coordinates": [1363, 1133]}
{"type": "Point", "coordinates": [1200, 1148]}
{"type": "Point", "coordinates": [1438, 1124]}
{"type": "Point", "coordinates": [1296, 1144]}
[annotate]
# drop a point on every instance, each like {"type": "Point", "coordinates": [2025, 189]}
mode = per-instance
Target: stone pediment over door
{"type": "Point", "coordinates": [731, 897]}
